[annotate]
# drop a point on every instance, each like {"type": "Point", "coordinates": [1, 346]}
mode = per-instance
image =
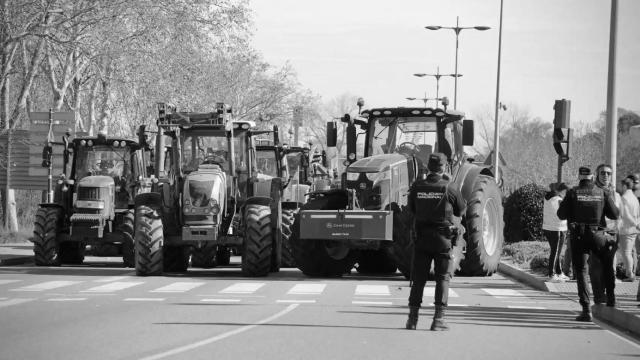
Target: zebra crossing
{"type": "Point", "coordinates": [135, 289]}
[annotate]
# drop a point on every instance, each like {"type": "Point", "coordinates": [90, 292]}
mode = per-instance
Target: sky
{"type": "Point", "coordinates": [551, 49]}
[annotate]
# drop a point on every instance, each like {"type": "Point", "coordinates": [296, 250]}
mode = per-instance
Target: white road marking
{"type": "Point", "coordinates": [307, 289]}
{"type": "Point", "coordinates": [67, 299]}
{"type": "Point", "coordinates": [213, 339]}
{"type": "Point", "coordinates": [178, 287]}
{"type": "Point", "coordinates": [372, 303]}
{"type": "Point", "coordinates": [3, 281]}
{"type": "Point", "coordinates": [144, 299]}
{"type": "Point", "coordinates": [111, 278]}
{"type": "Point", "coordinates": [294, 301]}
{"type": "Point", "coordinates": [112, 286]}
{"type": "Point", "coordinates": [14, 302]}
{"type": "Point", "coordinates": [457, 305]}
{"type": "Point", "coordinates": [378, 290]}
{"type": "Point", "coordinates": [242, 288]}
{"type": "Point", "coordinates": [49, 285]}
{"type": "Point", "coordinates": [504, 293]}
{"type": "Point", "coordinates": [526, 307]}
{"type": "Point", "coordinates": [221, 300]}
{"type": "Point", "coordinates": [431, 292]}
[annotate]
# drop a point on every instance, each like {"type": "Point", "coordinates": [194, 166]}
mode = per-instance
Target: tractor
{"type": "Point", "coordinates": [204, 200]}
{"type": "Point", "coordinates": [367, 221]}
{"type": "Point", "coordinates": [93, 204]}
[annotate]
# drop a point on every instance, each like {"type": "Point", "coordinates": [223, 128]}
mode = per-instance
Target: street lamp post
{"type": "Point", "coordinates": [457, 30]}
{"type": "Point", "coordinates": [424, 99]}
{"type": "Point", "coordinates": [437, 75]}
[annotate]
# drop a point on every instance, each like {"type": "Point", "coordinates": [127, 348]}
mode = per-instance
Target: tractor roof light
{"type": "Point", "coordinates": [245, 126]}
{"type": "Point", "coordinates": [123, 143]}
{"type": "Point", "coordinates": [83, 143]}
{"type": "Point", "coordinates": [90, 143]}
{"type": "Point", "coordinates": [352, 156]}
{"type": "Point", "coordinates": [116, 143]}
{"type": "Point", "coordinates": [427, 112]}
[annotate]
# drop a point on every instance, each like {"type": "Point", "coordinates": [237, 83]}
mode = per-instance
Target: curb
{"type": "Point", "coordinates": [611, 315]}
{"type": "Point", "coordinates": [17, 260]}
{"type": "Point", "coordinates": [522, 276]}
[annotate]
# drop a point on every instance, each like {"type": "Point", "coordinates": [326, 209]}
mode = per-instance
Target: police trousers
{"type": "Point", "coordinates": [598, 261]}
{"type": "Point", "coordinates": [423, 257]}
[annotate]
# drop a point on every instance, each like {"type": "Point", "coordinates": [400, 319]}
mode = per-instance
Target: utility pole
{"type": "Point", "coordinates": [611, 142]}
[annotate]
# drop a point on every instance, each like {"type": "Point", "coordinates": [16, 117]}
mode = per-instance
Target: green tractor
{"type": "Point", "coordinates": [204, 201]}
{"type": "Point", "coordinates": [367, 222]}
{"type": "Point", "coordinates": [93, 204]}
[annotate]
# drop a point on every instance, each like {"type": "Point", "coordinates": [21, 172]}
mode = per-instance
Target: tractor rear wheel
{"type": "Point", "coordinates": [205, 256]}
{"type": "Point", "coordinates": [288, 216]}
{"type": "Point", "coordinates": [71, 252]}
{"type": "Point", "coordinates": [258, 241]}
{"type": "Point", "coordinates": [176, 258]}
{"type": "Point", "coordinates": [126, 230]}
{"type": "Point", "coordinates": [148, 241]}
{"type": "Point", "coordinates": [484, 226]}
{"type": "Point", "coordinates": [46, 248]}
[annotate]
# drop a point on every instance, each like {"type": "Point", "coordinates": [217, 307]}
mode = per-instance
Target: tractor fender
{"type": "Point", "coordinates": [152, 199]}
{"type": "Point", "coordinates": [467, 176]}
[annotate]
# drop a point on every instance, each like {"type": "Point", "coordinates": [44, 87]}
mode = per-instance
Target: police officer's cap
{"type": "Point", "coordinates": [437, 162]}
{"type": "Point", "coordinates": [584, 172]}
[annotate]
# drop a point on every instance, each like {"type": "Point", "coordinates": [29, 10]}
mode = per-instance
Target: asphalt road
{"type": "Point", "coordinates": [103, 311]}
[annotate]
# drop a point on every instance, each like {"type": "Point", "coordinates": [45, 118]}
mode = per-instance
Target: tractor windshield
{"type": "Point", "coordinates": [198, 150]}
{"type": "Point", "coordinates": [410, 135]}
{"type": "Point", "coordinates": [267, 164]}
{"type": "Point", "coordinates": [102, 160]}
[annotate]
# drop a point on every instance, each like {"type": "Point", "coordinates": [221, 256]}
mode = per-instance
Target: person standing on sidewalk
{"type": "Point", "coordinates": [433, 203]}
{"type": "Point", "coordinates": [584, 208]}
{"type": "Point", "coordinates": [554, 229]}
{"type": "Point", "coordinates": [628, 227]}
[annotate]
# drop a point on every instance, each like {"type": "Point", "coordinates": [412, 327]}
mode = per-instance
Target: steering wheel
{"type": "Point", "coordinates": [214, 159]}
{"type": "Point", "coordinates": [408, 148]}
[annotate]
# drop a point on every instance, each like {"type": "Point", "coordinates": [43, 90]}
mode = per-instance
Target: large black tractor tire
{"type": "Point", "coordinates": [205, 256]}
{"type": "Point", "coordinates": [258, 241]}
{"type": "Point", "coordinates": [126, 231]}
{"type": "Point", "coordinates": [176, 258]}
{"type": "Point", "coordinates": [223, 256]}
{"type": "Point", "coordinates": [375, 262]}
{"type": "Point", "coordinates": [484, 225]}
{"type": "Point", "coordinates": [288, 216]}
{"type": "Point", "coordinates": [148, 240]}
{"type": "Point", "coordinates": [276, 243]}
{"type": "Point", "coordinates": [321, 258]}
{"type": "Point", "coordinates": [72, 252]}
{"type": "Point", "coordinates": [46, 248]}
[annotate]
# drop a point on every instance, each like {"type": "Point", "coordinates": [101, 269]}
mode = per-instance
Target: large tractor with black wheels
{"type": "Point", "coordinates": [203, 201]}
{"type": "Point", "coordinates": [92, 208]}
{"type": "Point", "coordinates": [367, 221]}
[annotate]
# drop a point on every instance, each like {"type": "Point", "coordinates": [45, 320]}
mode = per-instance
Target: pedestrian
{"type": "Point", "coordinates": [433, 203]}
{"type": "Point", "coordinates": [584, 207]}
{"type": "Point", "coordinates": [604, 174]}
{"type": "Point", "coordinates": [554, 229]}
{"type": "Point", "coordinates": [628, 227]}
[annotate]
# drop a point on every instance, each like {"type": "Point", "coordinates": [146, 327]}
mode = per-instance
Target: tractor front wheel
{"type": "Point", "coordinates": [258, 241]}
{"type": "Point", "coordinates": [148, 241]}
{"type": "Point", "coordinates": [46, 248]}
{"type": "Point", "coordinates": [288, 216]}
{"type": "Point", "coordinates": [126, 231]}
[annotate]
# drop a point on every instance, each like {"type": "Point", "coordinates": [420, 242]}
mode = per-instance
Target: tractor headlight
{"type": "Point", "coordinates": [351, 176]}
{"type": "Point", "coordinates": [215, 209]}
{"type": "Point", "coordinates": [90, 204]}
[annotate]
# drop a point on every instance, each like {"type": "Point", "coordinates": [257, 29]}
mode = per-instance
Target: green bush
{"type": "Point", "coordinates": [527, 255]}
{"type": "Point", "coordinates": [523, 214]}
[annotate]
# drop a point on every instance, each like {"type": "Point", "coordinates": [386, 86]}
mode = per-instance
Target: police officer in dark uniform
{"type": "Point", "coordinates": [433, 203]}
{"type": "Point", "coordinates": [585, 207]}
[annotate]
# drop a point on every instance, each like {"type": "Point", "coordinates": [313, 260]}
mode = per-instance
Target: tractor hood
{"type": "Point", "coordinates": [376, 163]}
{"type": "Point", "coordinates": [96, 181]}
{"type": "Point", "coordinates": [204, 196]}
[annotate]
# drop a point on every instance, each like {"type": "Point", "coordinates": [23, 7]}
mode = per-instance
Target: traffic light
{"type": "Point", "coordinates": [561, 130]}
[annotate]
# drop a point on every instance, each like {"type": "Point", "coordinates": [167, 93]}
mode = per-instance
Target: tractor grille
{"type": "Point", "coordinates": [88, 193]}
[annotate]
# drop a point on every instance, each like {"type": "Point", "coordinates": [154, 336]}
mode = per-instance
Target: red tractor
{"type": "Point", "coordinates": [367, 222]}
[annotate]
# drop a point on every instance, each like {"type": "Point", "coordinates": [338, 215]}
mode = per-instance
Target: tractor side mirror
{"type": "Point", "coordinates": [467, 132]}
{"type": "Point", "coordinates": [47, 151]}
{"type": "Point", "coordinates": [276, 135]}
{"type": "Point", "coordinates": [332, 134]}
{"type": "Point", "coordinates": [142, 137]}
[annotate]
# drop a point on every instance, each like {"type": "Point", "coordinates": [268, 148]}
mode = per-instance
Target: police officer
{"type": "Point", "coordinates": [585, 208]}
{"type": "Point", "coordinates": [433, 203]}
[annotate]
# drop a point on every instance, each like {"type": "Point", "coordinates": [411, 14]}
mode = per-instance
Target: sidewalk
{"type": "Point", "coordinates": [625, 315]}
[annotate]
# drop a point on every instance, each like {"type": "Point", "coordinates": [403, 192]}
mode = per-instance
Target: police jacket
{"type": "Point", "coordinates": [588, 204]}
{"type": "Point", "coordinates": [434, 203]}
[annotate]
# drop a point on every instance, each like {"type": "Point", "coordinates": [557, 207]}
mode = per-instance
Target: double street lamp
{"type": "Point", "coordinates": [437, 75]}
{"type": "Point", "coordinates": [457, 29]}
{"type": "Point", "coordinates": [425, 99]}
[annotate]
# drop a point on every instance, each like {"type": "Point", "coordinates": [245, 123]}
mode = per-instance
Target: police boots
{"type": "Point", "coordinates": [412, 321]}
{"type": "Point", "coordinates": [585, 315]}
{"type": "Point", "coordinates": [438, 323]}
